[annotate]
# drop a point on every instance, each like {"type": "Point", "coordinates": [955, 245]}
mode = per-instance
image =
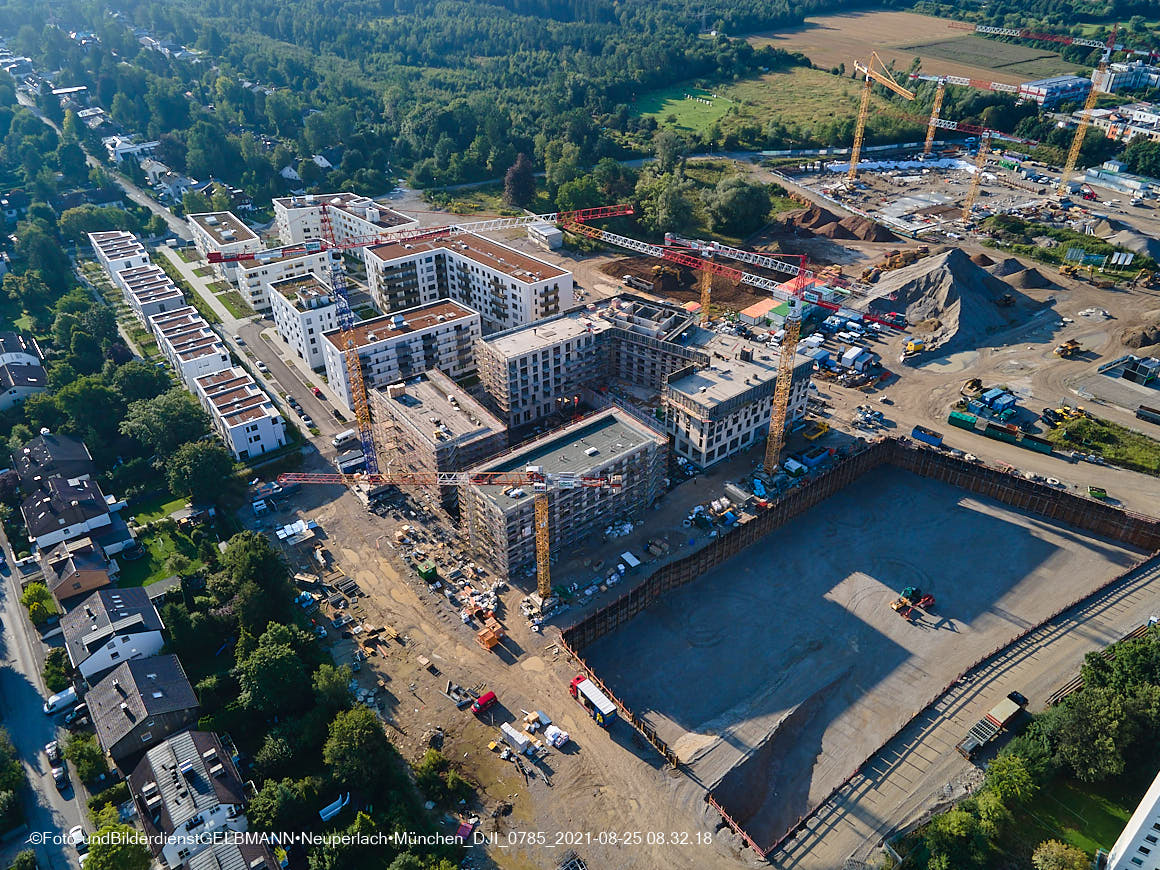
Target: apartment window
{"type": "Point", "coordinates": [124, 640]}
{"type": "Point", "coordinates": [147, 736]}
{"type": "Point", "coordinates": [115, 655]}
{"type": "Point", "coordinates": [1150, 838]}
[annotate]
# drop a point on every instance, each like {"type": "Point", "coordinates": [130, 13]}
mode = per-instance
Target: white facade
{"type": "Point", "coordinates": [222, 232]}
{"type": "Point", "coordinates": [507, 287]}
{"type": "Point", "coordinates": [19, 350]}
{"type": "Point", "coordinates": [1122, 76]}
{"type": "Point", "coordinates": [122, 647]}
{"type": "Point", "coordinates": [1139, 845]}
{"type": "Point", "coordinates": [18, 382]}
{"type": "Point", "coordinates": [149, 291]}
{"type": "Point", "coordinates": [255, 276]}
{"type": "Point", "coordinates": [192, 348]}
{"type": "Point", "coordinates": [440, 336]}
{"type": "Point", "coordinates": [243, 415]}
{"type": "Point", "coordinates": [120, 147]}
{"type": "Point", "coordinates": [352, 216]}
{"type": "Point", "coordinates": [117, 251]}
{"type": "Point", "coordinates": [304, 309]}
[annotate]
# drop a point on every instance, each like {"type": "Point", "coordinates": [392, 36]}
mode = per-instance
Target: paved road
{"type": "Point", "coordinates": [21, 697]}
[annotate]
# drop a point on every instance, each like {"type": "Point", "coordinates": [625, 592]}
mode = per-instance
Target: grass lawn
{"type": "Point", "coordinates": [803, 99]}
{"type": "Point", "coordinates": [235, 304]}
{"type": "Point", "coordinates": [488, 199]}
{"type": "Point", "coordinates": [189, 255]}
{"type": "Point", "coordinates": [366, 313]}
{"type": "Point", "coordinates": [1117, 444]}
{"type": "Point", "coordinates": [1088, 817]}
{"type": "Point", "coordinates": [203, 271]}
{"type": "Point", "coordinates": [156, 507]}
{"type": "Point", "coordinates": [159, 548]}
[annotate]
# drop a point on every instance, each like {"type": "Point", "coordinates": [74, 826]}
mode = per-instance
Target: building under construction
{"type": "Point", "coordinates": [530, 371]}
{"type": "Point", "coordinates": [501, 520]}
{"type": "Point", "coordinates": [435, 426]}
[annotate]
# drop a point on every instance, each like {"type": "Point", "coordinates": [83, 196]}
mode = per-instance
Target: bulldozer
{"type": "Point", "coordinates": [973, 387]}
{"type": "Point", "coordinates": [1069, 270]}
{"type": "Point", "coordinates": [1145, 277]}
{"type": "Point", "coordinates": [1068, 349]}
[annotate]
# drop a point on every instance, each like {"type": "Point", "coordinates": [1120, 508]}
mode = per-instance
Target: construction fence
{"type": "Point", "coordinates": [1136, 530]}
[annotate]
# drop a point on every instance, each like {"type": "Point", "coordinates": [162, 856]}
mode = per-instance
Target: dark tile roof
{"type": "Point", "coordinates": [59, 503]}
{"type": "Point", "coordinates": [181, 777]}
{"type": "Point", "coordinates": [105, 614]}
{"type": "Point", "coordinates": [14, 375]}
{"type": "Point", "coordinates": [234, 856]}
{"type": "Point", "coordinates": [18, 342]}
{"type": "Point", "coordinates": [146, 687]}
{"type": "Point", "coordinates": [50, 455]}
{"type": "Point", "coordinates": [66, 559]}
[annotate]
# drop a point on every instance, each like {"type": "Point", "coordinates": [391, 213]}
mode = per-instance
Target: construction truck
{"type": "Point", "coordinates": [913, 346]}
{"type": "Point", "coordinates": [598, 704]}
{"type": "Point", "coordinates": [1068, 349]}
{"type": "Point", "coordinates": [911, 598]}
{"type": "Point", "coordinates": [988, 728]}
{"type": "Point", "coordinates": [816, 429]}
{"type": "Point", "coordinates": [637, 283]}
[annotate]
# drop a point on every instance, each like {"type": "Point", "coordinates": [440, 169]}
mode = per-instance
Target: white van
{"type": "Point", "coordinates": [60, 701]}
{"type": "Point", "coordinates": [345, 437]}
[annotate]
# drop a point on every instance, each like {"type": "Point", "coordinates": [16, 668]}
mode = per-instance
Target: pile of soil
{"type": "Point", "coordinates": [1137, 242]}
{"type": "Point", "coordinates": [982, 260]}
{"type": "Point", "coordinates": [1030, 279]}
{"type": "Point", "coordinates": [813, 217]}
{"type": "Point", "coordinates": [867, 230]}
{"type": "Point", "coordinates": [824, 222]}
{"type": "Point", "coordinates": [679, 284]}
{"type": "Point", "coordinates": [952, 297]}
{"type": "Point", "coordinates": [834, 230]}
{"type": "Point", "coordinates": [1104, 228]}
{"type": "Point", "coordinates": [1003, 268]}
{"type": "Point", "coordinates": [1144, 333]}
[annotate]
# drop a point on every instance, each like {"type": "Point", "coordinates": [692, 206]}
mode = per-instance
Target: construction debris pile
{"type": "Point", "coordinates": [950, 297]}
{"type": "Point", "coordinates": [1144, 333]}
{"type": "Point", "coordinates": [823, 222]}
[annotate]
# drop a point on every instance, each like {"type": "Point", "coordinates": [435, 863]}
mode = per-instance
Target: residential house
{"type": "Point", "coordinates": [223, 232]}
{"type": "Point", "coordinates": [110, 627]}
{"type": "Point", "coordinates": [18, 382]}
{"type": "Point", "coordinates": [49, 455]}
{"type": "Point", "coordinates": [15, 205]}
{"type": "Point", "coordinates": [122, 147]}
{"type": "Point", "coordinates": [16, 348]}
{"type": "Point", "coordinates": [118, 250]}
{"type": "Point", "coordinates": [74, 569]}
{"type": "Point", "coordinates": [189, 794]}
{"type": "Point", "coordinates": [62, 510]}
{"type": "Point", "coordinates": [352, 216]}
{"type": "Point", "coordinates": [304, 308]}
{"type": "Point", "coordinates": [242, 413]}
{"type": "Point", "coordinates": [139, 704]}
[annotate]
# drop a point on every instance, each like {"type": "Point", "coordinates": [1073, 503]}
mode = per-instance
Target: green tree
{"type": "Point", "coordinates": [138, 380]}
{"type": "Point", "coordinates": [668, 148]}
{"type": "Point", "coordinates": [332, 687]}
{"type": "Point", "coordinates": [118, 847]}
{"type": "Point", "coordinates": [1009, 777]}
{"type": "Point", "coordinates": [24, 860]}
{"type": "Point", "coordinates": [577, 194]}
{"type": "Point", "coordinates": [666, 202]}
{"type": "Point", "coordinates": [56, 669]}
{"type": "Point", "coordinates": [86, 754]}
{"type": "Point", "coordinates": [271, 677]}
{"type": "Point", "coordinates": [957, 838]}
{"type": "Point", "coordinates": [39, 602]}
{"type": "Point", "coordinates": [202, 471]}
{"type": "Point", "coordinates": [1054, 855]}
{"type": "Point", "coordinates": [84, 353]}
{"type": "Point", "coordinates": [1094, 731]}
{"type": "Point", "coordinates": [519, 182]}
{"type": "Point", "coordinates": [165, 422]}
{"type": "Point", "coordinates": [285, 805]}
{"type": "Point", "coordinates": [43, 255]}
{"type": "Point", "coordinates": [737, 206]}
{"type": "Point", "coordinates": [194, 202]}
{"type": "Point", "coordinates": [357, 752]}
{"type": "Point", "coordinates": [76, 223]}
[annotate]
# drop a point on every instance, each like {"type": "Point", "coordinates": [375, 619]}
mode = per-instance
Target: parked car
{"type": "Point", "coordinates": [76, 713]}
{"type": "Point", "coordinates": [52, 752]}
{"type": "Point", "coordinates": [80, 723]}
{"type": "Point", "coordinates": [316, 392]}
{"type": "Point", "coordinates": [484, 702]}
{"type": "Point", "coordinates": [78, 838]}
{"type": "Point", "coordinates": [238, 339]}
{"type": "Point", "coordinates": [262, 367]}
{"type": "Point", "coordinates": [60, 776]}
{"type": "Point", "coordinates": [338, 415]}
{"type": "Point", "coordinates": [60, 701]}
{"type": "Point", "coordinates": [307, 421]}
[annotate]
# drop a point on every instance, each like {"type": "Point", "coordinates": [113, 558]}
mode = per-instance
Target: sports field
{"type": "Point", "coordinates": [830, 40]}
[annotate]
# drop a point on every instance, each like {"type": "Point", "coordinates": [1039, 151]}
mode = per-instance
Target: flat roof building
{"type": "Point", "coordinates": [222, 232]}
{"type": "Point", "coordinates": [254, 277]}
{"type": "Point", "coordinates": [438, 426]}
{"type": "Point", "coordinates": [304, 309]}
{"type": "Point", "coordinates": [714, 411]}
{"type": "Point", "coordinates": [352, 216]}
{"type": "Point", "coordinates": [190, 345]}
{"type": "Point", "coordinates": [242, 413]}
{"type": "Point", "coordinates": [117, 250]}
{"type": "Point", "coordinates": [1050, 92]}
{"type": "Point", "coordinates": [1135, 847]}
{"type": "Point", "coordinates": [439, 335]}
{"type": "Point", "coordinates": [148, 291]}
{"type": "Point", "coordinates": [507, 287]}
{"type": "Point", "coordinates": [530, 371]}
{"type": "Point", "coordinates": [501, 519]}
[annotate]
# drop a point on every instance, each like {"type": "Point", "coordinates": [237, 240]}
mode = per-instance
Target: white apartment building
{"type": "Point", "coordinates": [222, 232]}
{"type": "Point", "coordinates": [242, 413]}
{"type": "Point", "coordinates": [192, 348]}
{"type": "Point", "coordinates": [715, 411]}
{"type": "Point", "coordinates": [1139, 845]}
{"type": "Point", "coordinates": [255, 276]}
{"type": "Point", "coordinates": [304, 309]}
{"type": "Point", "coordinates": [352, 216]}
{"type": "Point", "coordinates": [1122, 76]}
{"type": "Point", "coordinates": [117, 250]}
{"type": "Point", "coordinates": [508, 288]}
{"type": "Point", "coordinates": [440, 335]}
{"type": "Point", "coordinates": [149, 291]}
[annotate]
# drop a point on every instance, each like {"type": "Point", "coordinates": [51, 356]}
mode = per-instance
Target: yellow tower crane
{"type": "Point", "coordinates": [1086, 118]}
{"type": "Point", "coordinates": [706, 294]}
{"type": "Point", "coordinates": [977, 178]}
{"type": "Point", "coordinates": [939, 93]}
{"type": "Point", "coordinates": [884, 78]}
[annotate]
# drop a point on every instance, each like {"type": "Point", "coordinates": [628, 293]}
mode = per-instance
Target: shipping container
{"type": "Point", "coordinates": [927, 436]}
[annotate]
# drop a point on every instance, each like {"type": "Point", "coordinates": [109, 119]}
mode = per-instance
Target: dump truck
{"type": "Point", "coordinates": [1068, 349]}
{"type": "Point", "coordinates": [988, 728]}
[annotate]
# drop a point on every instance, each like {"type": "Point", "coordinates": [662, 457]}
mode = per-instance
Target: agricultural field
{"type": "Point", "coordinates": [831, 40]}
{"type": "Point", "coordinates": [804, 99]}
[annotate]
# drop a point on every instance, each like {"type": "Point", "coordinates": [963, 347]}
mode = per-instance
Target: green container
{"type": "Point", "coordinates": [428, 571]}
